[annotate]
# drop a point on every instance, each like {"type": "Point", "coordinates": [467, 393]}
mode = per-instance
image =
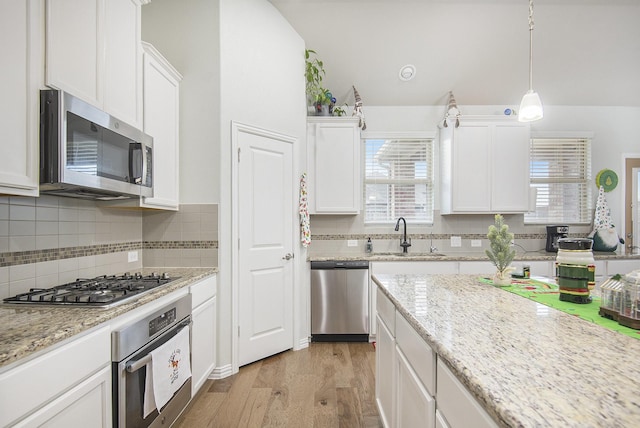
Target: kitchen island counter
{"type": "Point", "coordinates": [25, 329]}
{"type": "Point", "coordinates": [527, 364]}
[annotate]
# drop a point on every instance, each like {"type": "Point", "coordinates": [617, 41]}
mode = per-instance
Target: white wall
{"type": "Point", "coordinates": [262, 84]}
{"type": "Point", "coordinates": [186, 33]}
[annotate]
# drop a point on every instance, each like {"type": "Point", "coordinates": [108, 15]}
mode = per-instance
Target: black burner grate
{"type": "Point", "coordinates": [101, 291]}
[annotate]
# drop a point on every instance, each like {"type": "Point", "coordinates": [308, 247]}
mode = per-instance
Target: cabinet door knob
{"type": "Point", "coordinates": [287, 256]}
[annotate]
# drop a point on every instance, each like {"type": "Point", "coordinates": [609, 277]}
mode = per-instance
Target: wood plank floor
{"type": "Point", "coordinates": [324, 385]}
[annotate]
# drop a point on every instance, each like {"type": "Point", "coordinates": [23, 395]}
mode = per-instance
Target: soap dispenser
{"type": "Point", "coordinates": [369, 247]}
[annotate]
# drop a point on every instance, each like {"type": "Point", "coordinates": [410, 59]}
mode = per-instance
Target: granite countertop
{"type": "Point", "coordinates": [527, 364]}
{"type": "Point", "coordinates": [27, 329]}
{"type": "Point", "coordinates": [454, 256]}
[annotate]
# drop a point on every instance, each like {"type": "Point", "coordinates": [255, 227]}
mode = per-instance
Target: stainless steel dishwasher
{"type": "Point", "coordinates": [340, 301]}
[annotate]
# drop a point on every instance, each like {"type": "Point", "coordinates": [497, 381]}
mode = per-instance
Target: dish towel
{"type": "Point", "coordinates": [305, 227]}
{"type": "Point", "coordinates": [169, 369]}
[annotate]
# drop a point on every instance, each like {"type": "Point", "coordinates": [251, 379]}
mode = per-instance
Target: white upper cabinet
{"type": "Point", "coordinates": [333, 150]}
{"type": "Point", "coordinates": [485, 166]}
{"type": "Point", "coordinates": [93, 52]}
{"type": "Point", "coordinates": [161, 120]}
{"type": "Point", "coordinates": [22, 50]}
{"type": "Point", "coordinates": [123, 60]}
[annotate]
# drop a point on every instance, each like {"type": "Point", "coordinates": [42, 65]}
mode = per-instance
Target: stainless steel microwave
{"type": "Point", "coordinates": [87, 153]}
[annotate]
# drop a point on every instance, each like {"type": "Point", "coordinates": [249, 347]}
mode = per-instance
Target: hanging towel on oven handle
{"type": "Point", "coordinates": [169, 369]}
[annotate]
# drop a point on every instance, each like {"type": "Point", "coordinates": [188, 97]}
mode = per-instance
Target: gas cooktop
{"type": "Point", "coordinates": [102, 291]}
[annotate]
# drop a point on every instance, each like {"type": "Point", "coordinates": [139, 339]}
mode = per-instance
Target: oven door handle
{"type": "Point", "coordinates": [135, 365]}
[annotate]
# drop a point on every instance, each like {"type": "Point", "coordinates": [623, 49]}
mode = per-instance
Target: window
{"type": "Point", "coordinates": [398, 180]}
{"type": "Point", "coordinates": [561, 174]}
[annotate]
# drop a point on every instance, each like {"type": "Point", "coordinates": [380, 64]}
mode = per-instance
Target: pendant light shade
{"type": "Point", "coordinates": [530, 106]}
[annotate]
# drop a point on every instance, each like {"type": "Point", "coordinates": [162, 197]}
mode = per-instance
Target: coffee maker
{"type": "Point", "coordinates": [553, 234]}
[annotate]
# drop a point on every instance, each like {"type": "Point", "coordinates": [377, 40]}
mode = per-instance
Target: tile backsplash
{"type": "Point", "coordinates": [331, 234]}
{"type": "Point", "coordinates": [51, 240]}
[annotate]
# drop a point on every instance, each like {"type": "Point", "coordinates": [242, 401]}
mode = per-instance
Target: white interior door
{"type": "Point", "coordinates": [265, 245]}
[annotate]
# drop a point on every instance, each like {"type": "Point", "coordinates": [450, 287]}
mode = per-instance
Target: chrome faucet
{"type": "Point", "coordinates": [404, 244]}
{"type": "Point", "coordinates": [432, 249]}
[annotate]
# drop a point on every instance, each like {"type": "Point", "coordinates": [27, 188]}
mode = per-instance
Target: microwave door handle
{"type": "Point", "coordinates": [144, 164]}
{"type": "Point", "coordinates": [133, 147]}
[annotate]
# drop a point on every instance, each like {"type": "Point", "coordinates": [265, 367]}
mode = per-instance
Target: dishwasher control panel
{"type": "Point", "coordinates": [336, 264]}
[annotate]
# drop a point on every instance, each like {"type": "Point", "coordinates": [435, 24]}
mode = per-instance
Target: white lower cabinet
{"type": "Point", "coordinates": [456, 404]}
{"type": "Point", "coordinates": [66, 387]}
{"type": "Point", "coordinates": [385, 358]}
{"type": "Point", "coordinates": [203, 331]}
{"type": "Point", "coordinates": [441, 422]}
{"type": "Point", "coordinates": [385, 378]}
{"type": "Point", "coordinates": [88, 404]}
{"type": "Point", "coordinates": [414, 405]}
{"type": "Point", "coordinates": [415, 378]}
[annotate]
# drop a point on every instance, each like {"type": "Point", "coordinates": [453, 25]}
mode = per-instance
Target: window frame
{"type": "Point", "coordinates": [431, 181]}
{"type": "Point", "coordinates": [589, 136]}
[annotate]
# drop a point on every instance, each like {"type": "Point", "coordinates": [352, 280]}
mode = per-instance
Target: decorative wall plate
{"type": "Point", "coordinates": [608, 179]}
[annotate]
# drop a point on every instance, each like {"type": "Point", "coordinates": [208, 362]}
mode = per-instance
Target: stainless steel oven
{"type": "Point", "coordinates": [131, 351]}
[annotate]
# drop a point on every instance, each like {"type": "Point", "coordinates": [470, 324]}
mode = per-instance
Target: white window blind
{"type": "Point", "coordinates": [561, 174]}
{"type": "Point", "coordinates": [398, 180]}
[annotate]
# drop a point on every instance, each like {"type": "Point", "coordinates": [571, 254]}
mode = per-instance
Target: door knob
{"type": "Point", "coordinates": [287, 256]}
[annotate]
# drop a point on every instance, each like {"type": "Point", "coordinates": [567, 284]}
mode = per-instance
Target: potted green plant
{"type": "Point", "coordinates": [500, 253]}
{"type": "Point", "coordinates": [320, 99]}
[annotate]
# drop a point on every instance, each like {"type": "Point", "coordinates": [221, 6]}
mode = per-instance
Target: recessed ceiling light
{"type": "Point", "coordinates": [407, 72]}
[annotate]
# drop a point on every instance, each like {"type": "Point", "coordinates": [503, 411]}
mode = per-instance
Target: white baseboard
{"type": "Point", "coordinates": [302, 343]}
{"type": "Point", "coordinates": [221, 372]}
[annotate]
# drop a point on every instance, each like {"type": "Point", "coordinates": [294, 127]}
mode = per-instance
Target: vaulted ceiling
{"type": "Point", "coordinates": [585, 52]}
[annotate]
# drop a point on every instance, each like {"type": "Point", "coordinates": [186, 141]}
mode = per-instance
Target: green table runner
{"type": "Point", "coordinates": [547, 293]}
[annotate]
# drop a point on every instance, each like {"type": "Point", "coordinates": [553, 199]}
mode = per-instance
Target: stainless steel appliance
{"type": "Point", "coordinates": [131, 351]}
{"type": "Point", "coordinates": [86, 153]}
{"type": "Point", "coordinates": [102, 291]}
{"type": "Point", "coordinates": [553, 234]}
{"type": "Point", "coordinates": [340, 301]}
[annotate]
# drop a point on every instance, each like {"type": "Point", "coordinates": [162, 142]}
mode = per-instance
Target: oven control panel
{"type": "Point", "coordinates": [162, 321]}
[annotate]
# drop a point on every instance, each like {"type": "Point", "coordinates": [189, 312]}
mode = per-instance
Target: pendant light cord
{"type": "Point", "coordinates": [531, 45]}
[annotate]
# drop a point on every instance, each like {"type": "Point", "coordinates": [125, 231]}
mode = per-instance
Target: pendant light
{"type": "Point", "coordinates": [530, 106]}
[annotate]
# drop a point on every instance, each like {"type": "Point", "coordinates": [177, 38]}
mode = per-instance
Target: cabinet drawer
{"type": "Point", "coordinates": [419, 355]}
{"type": "Point", "coordinates": [39, 380]}
{"type": "Point", "coordinates": [203, 290]}
{"type": "Point", "coordinates": [386, 311]}
{"type": "Point", "coordinates": [455, 402]}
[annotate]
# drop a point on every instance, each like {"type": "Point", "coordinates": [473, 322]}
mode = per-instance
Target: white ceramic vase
{"type": "Point", "coordinates": [503, 278]}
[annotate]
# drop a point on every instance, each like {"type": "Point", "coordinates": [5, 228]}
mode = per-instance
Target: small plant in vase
{"type": "Point", "coordinates": [500, 253]}
{"type": "Point", "coordinates": [320, 99]}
